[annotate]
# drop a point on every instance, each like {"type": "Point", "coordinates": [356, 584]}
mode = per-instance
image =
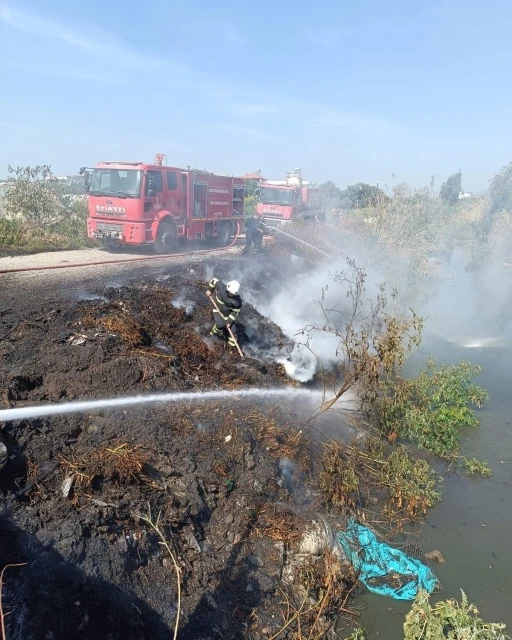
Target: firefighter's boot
{"type": "Point", "coordinates": [216, 332]}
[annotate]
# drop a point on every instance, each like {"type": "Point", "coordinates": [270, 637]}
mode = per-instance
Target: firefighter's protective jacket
{"type": "Point", "coordinates": [229, 306]}
{"type": "Point", "coordinates": [253, 226]}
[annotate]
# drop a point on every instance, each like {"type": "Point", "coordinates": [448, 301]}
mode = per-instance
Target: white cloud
{"type": "Point", "coordinates": [66, 71]}
{"type": "Point", "coordinates": [332, 37]}
{"type": "Point", "coordinates": [116, 53]}
{"type": "Point", "coordinates": [253, 109]}
{"type": "Point", "coordinates": [118, 61]}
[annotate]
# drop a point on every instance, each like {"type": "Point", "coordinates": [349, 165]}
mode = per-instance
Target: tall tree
{"type": "Point", "coordinates": [332, 194]}
{"type": "Point", "coordinates": [251, 187]}
{"type": "Point", "coordinates": [500, 189]}
{"type": "Point", "coordinates": [361, 195]}
{"type": "Point", "coordinates": [452, 188]}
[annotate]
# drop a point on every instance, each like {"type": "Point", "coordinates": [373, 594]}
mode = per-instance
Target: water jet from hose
{"type": "Point", "coordinates": [27, 413]}
{"type": "Point", "coordinates": [302, 241]}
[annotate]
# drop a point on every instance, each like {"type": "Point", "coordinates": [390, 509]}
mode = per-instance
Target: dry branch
{"type": "Point", "coordinates": [163, 541]}
{"type": "Point", "coordinates": [2, 614]}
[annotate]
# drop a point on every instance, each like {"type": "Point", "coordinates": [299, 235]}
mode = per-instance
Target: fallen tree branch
{"type": "Point", "coordinates": [163, 541]}
{"type": "Point", "coordinates": [2, 614]}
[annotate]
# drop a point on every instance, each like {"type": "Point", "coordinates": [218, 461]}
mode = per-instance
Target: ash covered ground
{"type": "Point", "coordinates": [220, 477]}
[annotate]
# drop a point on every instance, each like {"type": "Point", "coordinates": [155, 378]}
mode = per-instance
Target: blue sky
{"type": "Point", "coordinates": [349, 90]}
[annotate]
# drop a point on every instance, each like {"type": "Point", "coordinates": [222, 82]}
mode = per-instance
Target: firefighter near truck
{"type": "Point", "coordinates": [133, 203]}
{"type": "Point", "coordinates": [280, 201]}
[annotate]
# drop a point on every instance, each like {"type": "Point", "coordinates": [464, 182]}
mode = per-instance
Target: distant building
{"type": "Point", "coordinates": [256, 175]}
{"type": "Point", "coordinates": [463, 195]}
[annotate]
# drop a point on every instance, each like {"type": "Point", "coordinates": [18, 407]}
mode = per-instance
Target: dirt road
{"type": "Point", "coordinates": [31, 289]}
{"type": "Point", "coordinates": [54, 259]}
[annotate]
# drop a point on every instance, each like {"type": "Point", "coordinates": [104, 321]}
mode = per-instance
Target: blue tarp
{"type": "Point", "coordinates": [383, 569]}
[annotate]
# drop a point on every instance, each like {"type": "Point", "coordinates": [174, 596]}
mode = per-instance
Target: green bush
{"type": "Point", "coordinates": [430, 409]}
{"type": "Point", "coordinates": [412, 484]}
{"type": "Point", "coordinates": [449, 620]}
{"type": "Point", "coordinates": [28, 237]}
{"type": "Point", "coordinates": [32, 193]}
{"type": "Point", "coordinates": [39, 216]}
{"type": "Point", "coordinates": [11, 232]}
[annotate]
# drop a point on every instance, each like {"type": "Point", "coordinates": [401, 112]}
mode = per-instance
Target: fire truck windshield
{"type": "Point", "coordinates": [123, 183]}
{"type": "Point", "coordinates": [269, 195]}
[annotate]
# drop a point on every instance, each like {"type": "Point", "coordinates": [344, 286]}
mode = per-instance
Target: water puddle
{"type": "Point", "coordinates": [472, 526]}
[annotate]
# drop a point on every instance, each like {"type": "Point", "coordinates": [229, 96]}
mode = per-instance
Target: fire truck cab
{"type": "Point", "coordinates": [132, 203]}
{"type": "Point", "coordinates": [281, 201]}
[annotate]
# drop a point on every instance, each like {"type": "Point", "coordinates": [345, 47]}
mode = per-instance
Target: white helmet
{"type": "Point", "coordinates": [233, 287]}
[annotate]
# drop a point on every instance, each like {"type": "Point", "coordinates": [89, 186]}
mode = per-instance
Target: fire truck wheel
{"type": "Point", "coordinates": [166, 239]}
{"type": "Point", "coordinates": [224, 234]}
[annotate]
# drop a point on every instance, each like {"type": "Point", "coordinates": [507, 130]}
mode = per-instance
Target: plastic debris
{"type": "Point", "coordinates": [3, 454]}
{"type": "Point", "coordinates": [383, 569]}
{"type": "Point", "coordinates": [435, 555]}
{"type": "Point", "coordinates": [67, 485]}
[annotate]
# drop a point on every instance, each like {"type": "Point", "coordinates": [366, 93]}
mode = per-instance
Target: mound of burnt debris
{"type": "Point", "coordinates": [149, 521]}
{"type": "Point", "coordinates": [141, 337]}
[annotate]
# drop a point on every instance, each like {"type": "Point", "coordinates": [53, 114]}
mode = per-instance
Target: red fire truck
{"type": "Point", "coordinates": [280, 201]}
{"type": "Point", "coordinates": [132, 203]}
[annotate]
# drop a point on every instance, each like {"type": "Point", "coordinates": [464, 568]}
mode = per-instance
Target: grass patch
{"type": "Point", "coordinates": [353, 476]}
{"type": "Point", "coordinates": [26, 237]}
{"type": "Point", "coordinates": [279, 524]}
{"type": "Point", "coordinates": [120, 463]}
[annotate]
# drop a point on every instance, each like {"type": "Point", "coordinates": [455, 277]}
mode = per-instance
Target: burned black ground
{"type": "Point", "coordinates": [208, 472]}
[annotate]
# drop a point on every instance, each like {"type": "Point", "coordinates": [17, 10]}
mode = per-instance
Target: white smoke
{"type": "Point", "coordinates": [304, 311]}
{"type": "Point", "coordinates": [314, 309]}
{"type": "Point", "coordinates": [181, 303]}
{"type": "Point", "coordinates": [209, 272]}
{"type": "Point", "coordinates": [472, 308]}
{"type": "Point", "coordinates": [309, 308]}
{"type": "Point", "coordinates": [85, 296]}
{"type": "Point", "coordinates": [301, 364]}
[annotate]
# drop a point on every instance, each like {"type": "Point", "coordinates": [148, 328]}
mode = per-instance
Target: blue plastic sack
{"type": "Point", "coordinates": [383, 569]}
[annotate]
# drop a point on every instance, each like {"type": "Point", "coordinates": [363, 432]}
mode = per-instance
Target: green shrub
{"type": "Point", "coordinates": [412, 484]}
{"type": "Point", "coordinates": [430, 409]}
{"type": "Point", "coordinates": [11, 232]}
{"type": "Point", "coordinates": [449, 620]}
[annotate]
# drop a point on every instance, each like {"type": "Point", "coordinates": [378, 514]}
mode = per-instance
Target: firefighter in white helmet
{"type": "Point", "coordinates": [229, 303]}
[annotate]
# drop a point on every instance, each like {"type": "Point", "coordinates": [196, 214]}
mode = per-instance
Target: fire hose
{"type": "Point", "coordinates": [139, 259]}
{"type": "Point", "coordinates": [227, 327]}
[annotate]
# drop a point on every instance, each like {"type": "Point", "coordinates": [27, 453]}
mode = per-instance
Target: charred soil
{"type": "Point", "coordinates": [80, 491]}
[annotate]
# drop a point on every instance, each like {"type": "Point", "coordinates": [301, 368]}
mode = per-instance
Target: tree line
{"type": "Point", "coordinates": [361, 194]}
